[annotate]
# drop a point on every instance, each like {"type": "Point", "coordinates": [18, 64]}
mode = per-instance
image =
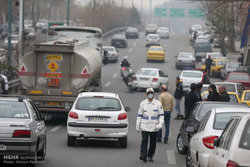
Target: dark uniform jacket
{"type": "Point", "coordinates": [178, 91]}
{"type": "Point", "coordinates": [224, 97]}
{"type": "Point", "coordinates": [213, 96]}
{"type": "Point", "coordinates": [190, 99]}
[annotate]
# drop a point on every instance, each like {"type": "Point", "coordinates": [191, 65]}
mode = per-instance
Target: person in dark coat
{"type": "Point", "coordinates": [208, 63]}
{"type": "Point", "coordinates": [190, 99]}
{"type": "Point", "coordinates": [198, 90]}
{"type": "Point", "coordinates": [178, 95]}
{"type": "Point", "coordinates": [205, 78]}
{"type": "Point", "coordinates": [213, 94]}
{"type": "Point", "coordinates": [223, 94]}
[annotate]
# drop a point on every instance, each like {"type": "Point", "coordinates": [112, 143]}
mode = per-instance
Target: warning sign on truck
{"type": "Point", "coordinates": [53, 66]}
{"type": "Point", "coordinates": [53, 57]}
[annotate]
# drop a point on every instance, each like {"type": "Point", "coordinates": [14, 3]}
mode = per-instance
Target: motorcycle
{"type": "Point", "coordinates": [130, 81]}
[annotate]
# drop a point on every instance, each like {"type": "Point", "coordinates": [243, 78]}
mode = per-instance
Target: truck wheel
{"type": "Point", "coordinates": [71, 140]}
{"type": "Point", "coordinates": [123, 142]}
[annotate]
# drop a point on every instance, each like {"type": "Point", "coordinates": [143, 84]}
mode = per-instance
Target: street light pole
{"type": "Point", "coordinates": [9, 31]}
{"type": "Point", "coordinates": [150, 13]}
{"type": "Point", "coordinates": [21, 18]}
{"type": "Point", "coordinates": [68, 7]}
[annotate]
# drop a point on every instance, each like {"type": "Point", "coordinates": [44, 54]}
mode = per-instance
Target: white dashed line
{"type": "Point", "coordinates": [130, 50]}
{"type": "Point", "coordinates": [115, 75]}
{"type": "Point", "coordinates": [134, 44]}
{"type": "Point", "coordinates": [55, 128]}
{"type": "Point", "coordinates": [107, 84]}
{"type": "Point", "coordinates": [171, 157]}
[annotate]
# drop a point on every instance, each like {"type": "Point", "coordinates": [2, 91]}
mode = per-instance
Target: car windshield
{"type": "Point", "coordinates": [132, 30]}
{"type": "Point", "coordinates": [229, 87]}
{"type": "Point", "coordinates": [192, 74]}
{"type": "Point", "coordinates": [247, 96]}
{"type": "Point", "coordinates": [186, 56]}
{"type": "Point", "coordinates": [245, 137]}
{"type": "Point", "coordinates": [147, 72]}
{"type": "Point", "coordinates": [238, 77]}
{"type": "Point", "coordinates": [215, 56]}
{"type": "Point", "coordinates": [196, 27]}
{"type": "Point", "coordinates": [219, 63]}
{"type": "Point", "coordinates": [163, 28]}
{"type": "Point", "coordinates": [233, 65]}
{"type": "Point", "coordinates": [109, 49]}
{"type": "Point", "coordinates": [156, 49]}
{"type": "Point", "coordinates": [206, 107]}
{"type": "Point", "coordinates": [118, 37]}
{"type": "Point", "coordinates": [12, 109]}
{"type": "Point", "coordinates": [98, 103]}
{"type": "Point", "coordinates": [202, 47]}
{"type": "Point", "coordinates": [153, 37]}
{"type": "Point", "coordinates": [221, 120]}
{"type": "Point", "coordinates": [151, 26]}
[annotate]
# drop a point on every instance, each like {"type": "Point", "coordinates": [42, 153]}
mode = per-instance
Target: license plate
{"type": "Point", "coordinates": [52, 103]}
{"type": "Point", "coordinates": [97, 119]}
{"type": "Point", "coordinates": [118, 43]}
{"type": "Point", "coordinates": [2, 147]}
{"type": "Point", "coordinates": [144, 79]}
{"type": "Point", "coordinates": [53, 82]}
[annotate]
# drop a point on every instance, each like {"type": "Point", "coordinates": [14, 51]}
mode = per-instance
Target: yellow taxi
{"type": "Point", "coordinates": [156, 53]}
{"type": "Point", "coordinates": [234, 97]}
{"type": "Point", "coordinates": [217, 65]}
{"type": "Point", "coordinates": [246, 97]}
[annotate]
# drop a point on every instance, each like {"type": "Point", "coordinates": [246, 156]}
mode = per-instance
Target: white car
{"type": "Point", "coordinates": [190, 76]}
{"type": "Point", "coordinates": [153, 39]}
{"type": "Point", "coordinates": [98, 115]}
{"type": "Point", "coordinates": [195, 27]}
{"type": "Point", "coordinates": [163, 32]}
{"type": "Point", "coordinates": [233, 147]}
{"type": "Point", "coordinates": [14, 41]}
{"type": "Point", "coordinates": [202, 143]}
{"type": "Point", "coordinates": [150, 77]}
{"type": "Point", "coordinates": [112, 53]}
{"type": "Point", "coordinates": [213, 55]}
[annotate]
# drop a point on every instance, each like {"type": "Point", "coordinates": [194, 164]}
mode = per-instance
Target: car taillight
{"type": "Point", "coordinates": [73, 115]}
{"type": "Point", "coordinates": [123, 68]}
{"type": "Point", "coordinates": [130, 80]}
{"type": "Point", "coordinates": [232, 164]}
{"type": "Point", "coordinates": [155, 79]}
{"type": "Point", "coordinates": [22, 134]}
{"type": "Point", "coordinates": [113, 54]}
{"type": "Point", "coordinates": [134, 78]}
{"type": "Point", "coordinates": [209, 141]}
{"type": "Point", "coordinates": [122, 116]}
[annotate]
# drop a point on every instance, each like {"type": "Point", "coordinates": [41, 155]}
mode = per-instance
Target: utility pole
{"type": "Point", "coordinates": [9, 31]}
{"type": "Point", "coordinates": [122, 3]}
{"type": "Point", "coordinates": [150, 13]}
{"type": "Point", "coordinates": [21, 26]}
{"type": "Point", "coordinates": [68, 7]}
{"type": "Point", "coordinates": [94, 5]}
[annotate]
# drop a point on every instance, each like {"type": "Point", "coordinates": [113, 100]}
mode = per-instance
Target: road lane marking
{"type": "Point", "coordinates": [137, 40]}
{"type": "Point", "coordinates": [56, 128]}
{"type": "Point", "coordinates": [107, 84]}
{"type": "Point", "coordinates": [171, 157]}
{"type": "Point", "coordinates": [115, 75]}
{"type": "Point", "coordinates": [134, 44]}
{"type": "Point", "coordinates": [130, 50]}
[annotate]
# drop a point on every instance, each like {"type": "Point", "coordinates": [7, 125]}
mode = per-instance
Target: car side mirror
{"type": "Point", "coordinates": [127, 109]}
{"type": "Point", "coordinates": [216, 142]}
{"type": "Point", "coordinates": [190, 129]}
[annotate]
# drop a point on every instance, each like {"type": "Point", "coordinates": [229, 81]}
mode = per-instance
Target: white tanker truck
{"type": "Point", "coordinates": [57, 71]}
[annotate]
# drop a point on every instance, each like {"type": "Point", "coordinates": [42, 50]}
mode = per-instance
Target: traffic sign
{"type": "Point", "coordinates": [53, 66]}
{"type": "Point", "coordinates": [178, 12]}
{"type": "Point", "coordinates": [160, 12]}
{"type": "Point", "coordinates": [195, 13]}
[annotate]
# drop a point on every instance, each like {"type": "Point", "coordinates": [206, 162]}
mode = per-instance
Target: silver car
{"type": "Point", "coordinates": [229, 67]}
{"type": "Point", "coordinates": [112, 53]}
{"type": "Point", "coordinates": [150, 77]}
{"type": "Point", "coordinates": [22, 130]}
{"type": "Point", "coordinates": [153, 39]}
{"type": "Point", "coordinates": [163, 32]}
{"type": "Point", "coordinates": [185, 60]}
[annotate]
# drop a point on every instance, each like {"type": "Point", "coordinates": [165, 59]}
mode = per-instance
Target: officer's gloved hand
{"type": "Point", "coordinates": [138, 128]}
{"type": "Point", "coordinates": [159, 126]}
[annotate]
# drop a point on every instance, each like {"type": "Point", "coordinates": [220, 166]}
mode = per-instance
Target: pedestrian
{"type": "Point", "coordinates": [213, 94]}
{"type": "Point", "coordinates": [6, 84]}
{"type": "Point", "coordinates": [105, 57]}
{"type": "Point", "coordinates": [205, 78]}
{"type": "Point", "coordinates": [208, 63]}
{"type": "Point", "coordinates": [167, 102]}
{"type": "Point", "coordinates": [150, 119]}
{"type": "Point", "coordinates": [190, 99]}
{"type": "Point", "coordinates": [198, 90]}
{"type": "Point", "coordinates": [223, 95]}
{"type": "Point", "coordinates": [178, 95]}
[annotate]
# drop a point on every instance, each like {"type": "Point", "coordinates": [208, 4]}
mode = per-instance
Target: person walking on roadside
{"type": "Point", "coordinates": [198, 90]}
{"type": "Point", "coordinates": [213, 94]}
{"type": "Point", "coordinates": [167, 102]}
{"type": "Point", "coordinates": [178, 95]}
{"type": "Point", "coordinates": [208, 63]}
{"type": "Point", "coordinates": [149, 121]}
{"type": "Point", "coordinates": [223, 95]}
{"type": "Point", "coordinates": [190, 99]}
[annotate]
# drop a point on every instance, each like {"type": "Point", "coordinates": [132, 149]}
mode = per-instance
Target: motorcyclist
{"type": "Point", "coordinates": [125, 62]}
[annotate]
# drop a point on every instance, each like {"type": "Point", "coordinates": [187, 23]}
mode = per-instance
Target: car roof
{"type": "Point", "coordinates": [153, 35]}
{"type": "Point", "coordinates": [106, 94]}
{"type": "Point", "coordinates": [231, 109]}
{"type": "Point", "coordinates": [218, 102]}
{"type": "Point", "coordinates": [109, 47]}
{"type": "Point", "coordinates": [155, 46]}
{"type": "Point", "coordinates": [229, 83]}
{"type": "Point", "coordinates": [246, 91]}
{"type": "Point", "coordinates": [156, 69]}
{"type": "Point", "coordinates": [196, 71]}
{"type": "Point", "coordinates": [12, 98]}
{"type": "Point", "coordinates": [185, 53]}
{"type": "Point", "coordinates": [238, 73]}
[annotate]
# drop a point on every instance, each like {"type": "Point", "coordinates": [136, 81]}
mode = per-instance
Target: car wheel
{"type": "Point", "coordinates": [182, 149]}
{"type": "Point", "coordinates": [123, 142]}
{"type": "Point", "coordinates": [42, 153]}
{"type": "Point", "coordinates": [189, 161]}
{"type": "Point", "coordinates": [71, 140]}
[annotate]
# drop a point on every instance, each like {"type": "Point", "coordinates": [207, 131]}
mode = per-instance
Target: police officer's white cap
{"type": "Point", "coordinates": [150, 90]}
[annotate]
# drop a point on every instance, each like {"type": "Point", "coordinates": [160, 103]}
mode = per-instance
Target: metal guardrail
{"type": "Point", "coordinates": [15, 85]}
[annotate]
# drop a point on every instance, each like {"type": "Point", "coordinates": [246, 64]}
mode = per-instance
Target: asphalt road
{"type": "Point", "coordinates": [107, 153]}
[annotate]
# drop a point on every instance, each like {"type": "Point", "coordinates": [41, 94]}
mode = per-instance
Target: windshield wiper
{"type": "Point", "coordinates": [103, 108]}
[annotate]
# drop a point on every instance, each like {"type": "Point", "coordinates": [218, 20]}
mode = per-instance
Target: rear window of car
{"type": "Point", "coordinates": [192, 74]}
{"type": "Point", "coordinates": [131, 30]}
{"type": "Point", "coordinates": [147, 72]}
{"type": "Point", "coordinates": [109, 49]}
{"type": "Point", "coordinates": [118, 37]}
{"type": "Point", "coordinates": [245, 137]}
{"type": "Point", "coordinates": [156, 49]}
{"type": "Point", "coordinates": [151, 26]}
{"type": "Point", "coordinates": [219, 63]}
{"type": "Point", "coordinates": [221, 120]}
{"type": "Point", "coordinates": [247, 96]}
{"type": "Point", "coordinates": [153, 36]}
{"type": "Point", "coordinates": [202, 47]}
{"type": "Point", "coordinates": [237, 77]}
{"type": "Point", "coordinates": [233, 65]}
{"type": "Point", "coordinates": [98, 104]}
{"type": "Point", "coordinates": [190, 56]}
{"type": "Point", "coordinates": [13, 109]}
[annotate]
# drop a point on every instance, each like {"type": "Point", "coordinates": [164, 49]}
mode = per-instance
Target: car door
{"type": "Point", "coordinates": [221, 152]}
{"type": "Point", "coordinates": [162, 77]}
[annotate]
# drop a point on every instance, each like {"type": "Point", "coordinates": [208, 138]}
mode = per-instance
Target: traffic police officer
{"type": "Point", "coordinates": [150, 120]}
